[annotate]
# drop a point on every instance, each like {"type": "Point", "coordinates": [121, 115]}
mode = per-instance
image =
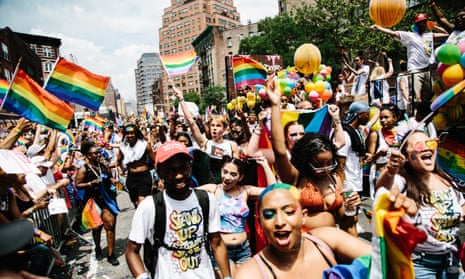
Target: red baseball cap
{"type": "Point", "coordinates": [420, 17]}
{"type": "Point", "coordinates": [170, 149]}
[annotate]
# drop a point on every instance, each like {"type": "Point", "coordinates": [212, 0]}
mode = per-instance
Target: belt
{"type": "Point", "coordinates": [434, 257]}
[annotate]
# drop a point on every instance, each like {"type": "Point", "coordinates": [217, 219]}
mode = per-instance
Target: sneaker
{"type": "Point", "coordinates": [113, 260]}
{"type": "Point", "coordinates": [98, 254]}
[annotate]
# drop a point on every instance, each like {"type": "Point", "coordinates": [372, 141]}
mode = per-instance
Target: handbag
{"type": "Point", "coordinates": [91, 215]}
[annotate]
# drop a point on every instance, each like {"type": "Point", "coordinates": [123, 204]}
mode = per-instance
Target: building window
{"type": "Point", "coordinates": [47, 52]}
{"type": "Point", "coordinates": [7, 74]}
{"type": "Point", "coordinates": [5, 52]}
{"type": "Point", "coordinates": [48, 67]}
{"type": "Point", "coordinates": [188, 47]}
{"type": "Point", "coordinates": [229, 43]}
{"type": "Point", "coordinates": [33, 47]}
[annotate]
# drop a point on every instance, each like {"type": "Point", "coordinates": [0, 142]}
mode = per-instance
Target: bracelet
{"type": "Point", "coordinates": [144, 275]}
{"type": "Point", "coordinates": [227, 277]}
{"type": "Point", "coordinates": [17, 131]}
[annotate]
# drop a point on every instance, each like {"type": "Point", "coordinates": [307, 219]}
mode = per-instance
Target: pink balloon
{"type": "Point", "coordinates": [461, 46]}
{"type": "Point", "coordinates": [441, 67]}
{"type": "Point", "coordinates": [313, 96]}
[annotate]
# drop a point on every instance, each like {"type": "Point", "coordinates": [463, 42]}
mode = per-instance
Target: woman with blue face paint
{"type": "Point", "coordinates": [291, 253]}
{"type": "Point", "coordinates": [441, 208]}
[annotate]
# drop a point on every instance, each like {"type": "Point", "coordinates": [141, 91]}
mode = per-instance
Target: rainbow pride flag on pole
{"type": "Point", "coordinates": [4, 85]}
{"type": "Point", "coordinates": [394, 240]}
{"type": "Point", "coordinates": [75, 84]}
{"type": "Point", "coordinates": [248, 72]}
{"type": "Point", "coordinates": [29, 100]}
{"type": "Point", "coordinates": [179, 63]}
{"type": "Point", "coordinates": [93, 123]}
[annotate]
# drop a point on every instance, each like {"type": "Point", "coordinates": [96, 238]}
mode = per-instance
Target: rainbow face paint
{"type": "Point", "coordinates": [269, 214]}
{"type": "Point", "coordinates": [420, 146]}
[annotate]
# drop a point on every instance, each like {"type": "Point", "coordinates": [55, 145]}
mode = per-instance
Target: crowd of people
{"type": "Point", "coordinates": [303, 214]}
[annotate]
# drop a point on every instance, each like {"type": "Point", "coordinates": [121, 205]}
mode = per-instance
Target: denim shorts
{"type": "Point", "coordinates": [436, 266]}
{"type": "Point", "coordinates": [237, 253]}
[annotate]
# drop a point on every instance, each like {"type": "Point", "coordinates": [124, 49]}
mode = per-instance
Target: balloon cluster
{"type": "Point", "coordinates": [251, 99]}
{"type": "Point", "coordinates": [451, 70]}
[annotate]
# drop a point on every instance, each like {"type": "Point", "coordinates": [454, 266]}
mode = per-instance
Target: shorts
{"type": "Point", "coordinates": [139, 184]}
{"type": "Point", "coordinates": [237, 253]}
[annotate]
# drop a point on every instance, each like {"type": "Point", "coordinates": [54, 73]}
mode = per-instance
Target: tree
{"type": "Point", "coordinates": [193, 97]}
{"type": "Point", "coordinates": [213, 96]}
{"type": "Point", "coordinates": [332, 25]}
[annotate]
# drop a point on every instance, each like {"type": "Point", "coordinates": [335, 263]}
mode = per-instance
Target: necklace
{"type": "Point", "coordinates": [97, 174]}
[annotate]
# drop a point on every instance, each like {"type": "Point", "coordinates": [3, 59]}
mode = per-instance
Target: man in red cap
{"type": "Point", "coordinates": [183, 253]}
{"type": "Point", "coordinates": [420, 54]}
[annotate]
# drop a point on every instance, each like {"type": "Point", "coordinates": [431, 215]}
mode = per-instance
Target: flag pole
{"type": "Point", "coordinates": [51, 72]}
{"type": "Point", "coordinates": [11, 83]}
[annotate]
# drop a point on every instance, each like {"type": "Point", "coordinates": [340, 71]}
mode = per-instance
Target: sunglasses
{"type": "Point", "coordinates": [425, 145]}
{"type": "Point", "coordinates": [294, 135]}
{"type": "Point", "coordinates": [323, 169]}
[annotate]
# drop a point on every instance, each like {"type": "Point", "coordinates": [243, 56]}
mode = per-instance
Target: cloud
{"type": "Point", "coordinates": [106, 36]}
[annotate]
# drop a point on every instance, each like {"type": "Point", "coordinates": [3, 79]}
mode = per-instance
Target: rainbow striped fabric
{"type": "Point", "coordinates": [75, 84]}
{"type": "Point", "coordinates": [92, 123]}
{"type": "Point", "coordinates": [4, 85]}
{"type": "Point", "coordinates": [29, 100]}
{"type": "Point", "coordinates": [393, 242]}
{"type": "Point", "coordinates": [316, 121]}
{"type": "Point", "coordinates": [179, 63]}
{"type": "Point", "coordinates": [451, 156]}
{"type": "Point", "coordinates": [248, 72]}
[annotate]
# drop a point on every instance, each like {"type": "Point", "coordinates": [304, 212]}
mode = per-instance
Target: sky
{"type": "Point", "coordinates": [106, 36]}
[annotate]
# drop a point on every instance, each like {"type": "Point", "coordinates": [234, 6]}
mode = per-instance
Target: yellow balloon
{"type": "Point", "coordinates": [387, 13]}
{"type": "Point", "coordinates": [309, 86]}
{"type": "Point", "coordinates": [307, 58]}
{"type": "Point", "coordinates": [453, 74]}
{"type": "Point", "coordinates": [439, 121]}
{"type": "Point", "coordinates": [320, 86]}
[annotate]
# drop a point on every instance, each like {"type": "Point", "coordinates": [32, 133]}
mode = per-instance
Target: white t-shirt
{"type": "Point", "coordinates": [440, 220]}
{"type": "Point", "coordinates": [184, 229]}
{"type": "Point", "coordinates": [401, 101]}
{"type": "Point", "coordinates": [419, 49]}
{"type": "Point", "coordinates": [384, 84]}
{"type": "Point", "coordinates": [218, 150]}
{"type": "Point", "coordinates": [359, 86]}
{"type": "Point", "coordinates": [353, 168]}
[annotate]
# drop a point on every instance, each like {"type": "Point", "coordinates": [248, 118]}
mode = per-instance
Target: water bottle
{"type": "Point", "coordinates": [346, 192]}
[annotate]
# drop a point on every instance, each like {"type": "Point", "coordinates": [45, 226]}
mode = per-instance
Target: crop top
{"type": "Point", "coordinates": [312, 199]}
{"type": "Point", "coordinates": [233, 212]}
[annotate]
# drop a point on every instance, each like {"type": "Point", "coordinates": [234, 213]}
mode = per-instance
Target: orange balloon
{"type": "Point", "coordinates": [326, 95]}
{"type": "Point", "coordinates": [309, 86]}
{"type": "Point", "coordinates": [387, 13]}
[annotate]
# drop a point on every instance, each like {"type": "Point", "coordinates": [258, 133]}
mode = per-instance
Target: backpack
{"type": "Point", "coordinates": [151, 251]}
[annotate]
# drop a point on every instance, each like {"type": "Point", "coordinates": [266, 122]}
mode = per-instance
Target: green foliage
{"type": "Point", "coordinates": [331, 25]}
{"type": "Point", "coordinates": [213, 96]}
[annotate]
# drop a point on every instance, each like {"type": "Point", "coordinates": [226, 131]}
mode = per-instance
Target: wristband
{"type": "Point", "coordinates": [17, 131]}
{"type": "Point", "coordinates": [144, 275]}
{"type": "Point", "coordinates": [227, 277]}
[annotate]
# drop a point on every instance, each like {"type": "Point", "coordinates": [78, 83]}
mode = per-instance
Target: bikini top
{"type": "Point", "coordinates": [325, 251]}
{"type": "Point", "coordinates": [233, 212]}
{"type": "Point", "coordinates": [313, 200]}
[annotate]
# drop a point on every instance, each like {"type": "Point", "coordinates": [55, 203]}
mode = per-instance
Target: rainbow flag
{"type": "Point", "coordinates": [4, 85]}
{"type": "Point", "coordinates": [248, 72]}
{"type": "Point", "coordinates": [451, 156]}
{"type": "Point", "coordinates": [316, 121]}
{"type": "Point", "coordinates": [69, 134]}
{"type": "Point", "coordinates": [75, 84]}
{"type": "Point", "coordinates": [92, 123]}
{"type": "Point", "coordinates": [29, 100]}
{"type": "Point", "coordinates": [393, 242]}
{"type": "Point", "coordinates": [179, 63]}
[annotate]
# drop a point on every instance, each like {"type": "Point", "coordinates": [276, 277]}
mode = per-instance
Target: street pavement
{"type": "Point", "coordinates": [80, 261]}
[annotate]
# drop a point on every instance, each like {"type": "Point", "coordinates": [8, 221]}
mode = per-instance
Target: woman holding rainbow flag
{"type": "Point", "coordinates": [95, 178]}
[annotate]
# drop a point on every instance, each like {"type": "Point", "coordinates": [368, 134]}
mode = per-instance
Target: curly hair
{"type": "Point", "coordinates": [307, 147]}
{"type": "Point", "coordinates": [86, 146]}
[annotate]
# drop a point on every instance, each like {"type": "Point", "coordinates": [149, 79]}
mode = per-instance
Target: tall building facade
{"type": "Point", "coordinates": [289, 6]}
{"type": "Point", "coordinates": [182, 22]}
{"type": "Point", "coordinates": [149, 69]}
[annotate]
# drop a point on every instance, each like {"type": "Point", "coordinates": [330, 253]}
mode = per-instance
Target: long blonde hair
{"type": "Point", "coordinates": [377, 72]}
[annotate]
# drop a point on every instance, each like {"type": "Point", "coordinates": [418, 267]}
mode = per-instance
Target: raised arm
{"type": "Point", "coordinates": [287, 172]}
{"type": "Point", "coordinates": [388, 31]}
{"type": "Point", "coordinates": [440, 17]}
{"type": "Point", "coordinates": [196, 133]}
{"type": "Point", "coordinates": [339, 139]}
{"type": "Point", "coordinates": [22, 126]}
